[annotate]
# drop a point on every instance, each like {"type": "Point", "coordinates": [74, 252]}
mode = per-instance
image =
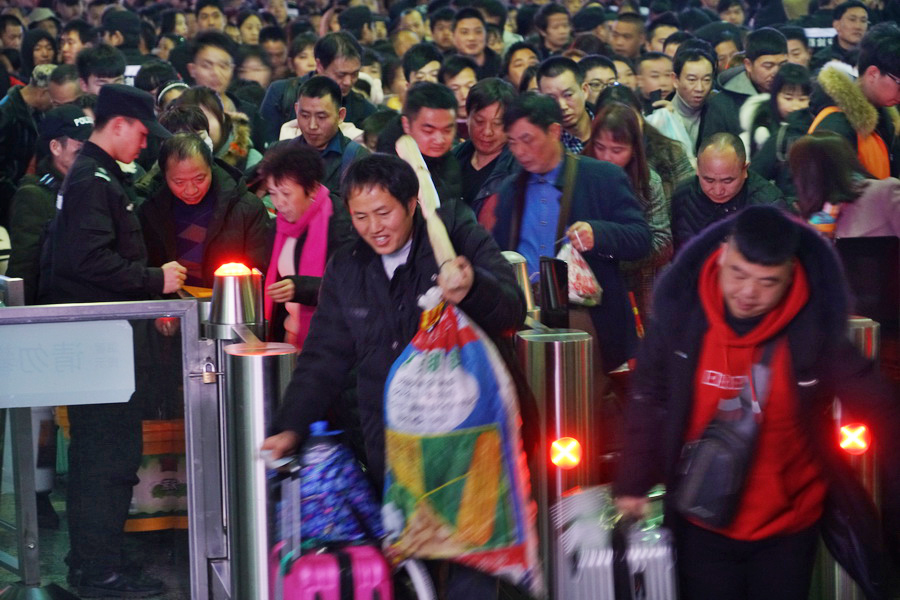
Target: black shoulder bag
{"type": "Point", "coordinates": [713, 469]}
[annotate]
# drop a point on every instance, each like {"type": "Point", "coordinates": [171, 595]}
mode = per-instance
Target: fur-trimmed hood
{"type": "Point", "coordinates": [847, 96]}
{"type": "Point", "coordinates": [238, 145]}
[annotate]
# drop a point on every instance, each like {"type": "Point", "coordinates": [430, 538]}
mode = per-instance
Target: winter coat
{"type": "Point", "coordinates": [33, 207]}
{"type": "Point", "coordinates": [18, 142]}
{"type": "Point", "coordinates": [506, 165]}
{"type": "Point", "coordinates": [669, 159]}
{"type": "Point", "coordinates": [693, 211]}
{"type": "Point", "coordinates": [858, 116]}
{"type": "Point", "coordinates": [95, 251]}
{"type": "Point", "coordinates": [824, 362]}
{"type": "Point", "coordinates": [833, 52]}
{"type": "Point", "coordinates": [306, 288]}
{"type": "Point", "coordinates": [237, 232]}
{"type": "Point", "coordinates": [735, 88]}
{"type": "Point", "coordinates": [876, 212]}
{"type": "Point", "coordinates": [603, 198]}
{"type": "Point", "coordinates": [757, 123]}
{"type": "Point", "coordinates": [365, 321]}
{"type": "Point", "coordinates": [237, 149]}
{"type": "Point", "coordinates": [770, 161]}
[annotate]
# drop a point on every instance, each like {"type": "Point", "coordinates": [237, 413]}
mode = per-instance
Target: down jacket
{"type": "Point", "coordinates": [825, 365]}
{"type": "Point", "coordinates": [693, 211]}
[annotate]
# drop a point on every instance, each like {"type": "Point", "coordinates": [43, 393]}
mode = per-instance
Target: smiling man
{"type": "Point", "coordinates": [723, 185]}
{"type": "Point", "coordinates": [367, 313]}
{"type": "Point", "coordinates": [470, 39]}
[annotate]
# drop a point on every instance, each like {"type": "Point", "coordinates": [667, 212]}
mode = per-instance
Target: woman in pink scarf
{"type": "Point", "coordinates": [310, 225]}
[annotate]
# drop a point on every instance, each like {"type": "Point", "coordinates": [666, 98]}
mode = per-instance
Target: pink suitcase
{"type": "Point", "coordinates": [347, 573]}
{"type": "Point", "coordinates": [351, 573]}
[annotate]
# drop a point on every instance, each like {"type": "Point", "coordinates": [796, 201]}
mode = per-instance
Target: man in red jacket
{"type": "Point", "coordinates": [755, 280]}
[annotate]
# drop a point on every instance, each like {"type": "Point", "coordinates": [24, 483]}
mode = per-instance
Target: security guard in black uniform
{"type": "Point", "coordinates": [61, 135]}
{"type": "Point", "coordinates": [95, 253]}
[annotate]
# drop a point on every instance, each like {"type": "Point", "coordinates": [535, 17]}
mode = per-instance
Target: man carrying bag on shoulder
{"type": "Point", "coordinates": [730, 408]}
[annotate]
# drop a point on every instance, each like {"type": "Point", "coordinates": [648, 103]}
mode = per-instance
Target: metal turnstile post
{"type": "Point", "coordinates": [558, 366]}
{"type": "Point", "coordinates": [257, 377]}
{"type": "Point", "coordinates": [831, 581]}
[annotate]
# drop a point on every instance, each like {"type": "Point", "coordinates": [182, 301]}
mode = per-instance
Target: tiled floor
{"type": "Point", "coordinates": [163, 555]}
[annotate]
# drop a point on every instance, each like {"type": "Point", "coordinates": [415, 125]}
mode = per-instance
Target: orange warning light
{"type": "Point", "coordinates": [565, 453]}
{"type": "Point", "coordinates": [855, 438]}
{"type": "Point", "coordinates": [232, 269]}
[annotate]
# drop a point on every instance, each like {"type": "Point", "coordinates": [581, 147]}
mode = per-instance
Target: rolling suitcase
{"type": "Point", "coordinates": [340, 573]}
{"type": "Point", "coordinates": [602, 561]}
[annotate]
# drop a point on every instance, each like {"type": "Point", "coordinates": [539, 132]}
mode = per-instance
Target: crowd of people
{"type": "Point", "coordinates": [144, 144]}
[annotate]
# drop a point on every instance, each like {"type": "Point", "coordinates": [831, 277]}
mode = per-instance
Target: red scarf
{"type": "Point", "coordinates": [314, 255]}
{"type": "Point", "coordinates": [784, 491]}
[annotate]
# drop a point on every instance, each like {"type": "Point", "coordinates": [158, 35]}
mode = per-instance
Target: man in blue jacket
{"type": "Point", "coordinates": [559, 195]}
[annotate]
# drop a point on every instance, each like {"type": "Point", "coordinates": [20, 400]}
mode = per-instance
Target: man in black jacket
{"type": "Point", "coordinates": [723, 185]}
{"type": "Point", "coordinates": [752, 279]}
{"type": "Point", "coordinates": [851, 21]}
{"type": "Point", "coordinates": [18, 132]}
{"type": "Point", "coordinates": [63, 130]}
{"type": "Point", "coordinates": [367, 312]}
{"type": "Point", "coordinates": [95, 253]}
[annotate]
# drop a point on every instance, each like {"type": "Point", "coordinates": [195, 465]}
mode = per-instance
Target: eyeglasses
{"type": "Point", "coordinates": [892, 77]}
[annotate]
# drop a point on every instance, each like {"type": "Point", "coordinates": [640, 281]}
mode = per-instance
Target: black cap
{"type": "Point", "coordinates": [119, 100]}
{"type": "Point", "coordinates": [588, 18]}
{"type": "Point", "coordinates": [68, 121]}
{"type": "Point", "coordinates": [123, 21]}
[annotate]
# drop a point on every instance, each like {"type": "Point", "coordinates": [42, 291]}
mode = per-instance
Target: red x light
{"type": "Point", "coordinates": [565, 453]}
{"type": "Point", "coordinates": [855, 438]}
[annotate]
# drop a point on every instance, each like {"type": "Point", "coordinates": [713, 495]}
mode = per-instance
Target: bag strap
{"type": "Point", "coordinates": [758, 383]}
{"type": "Point", "coordinates": [565, 201]}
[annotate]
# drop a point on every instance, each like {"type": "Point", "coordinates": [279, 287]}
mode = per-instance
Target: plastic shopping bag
{"type": "Point", "coordinates": [457, 485]}
{"type": "Point", "coordinates": [584, 289]}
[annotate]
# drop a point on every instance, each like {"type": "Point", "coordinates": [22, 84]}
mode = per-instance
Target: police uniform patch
{"type": "Point", "coordinates": [102, 174]}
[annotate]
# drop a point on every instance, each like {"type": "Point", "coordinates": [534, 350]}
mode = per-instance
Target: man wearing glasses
{"type": "Point", "coordinates": [598, 72]}
{"type": "Point", "coordinates": [840, 103]}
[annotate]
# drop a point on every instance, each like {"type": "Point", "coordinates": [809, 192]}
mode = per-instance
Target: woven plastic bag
{"type": "Point", "coordinates": [456, 484]}
{"type": "Point", "coordinates": [584, 289]}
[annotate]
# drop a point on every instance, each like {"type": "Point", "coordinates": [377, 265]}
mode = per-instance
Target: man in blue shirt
{"type": "Point", "coordinates": [560, 196]}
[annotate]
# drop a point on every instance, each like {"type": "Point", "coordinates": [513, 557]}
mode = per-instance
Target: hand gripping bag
{"type": "Point", "coordinates": [456, 484]}
{"type": "Point", "coordinates": [584, 289]}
